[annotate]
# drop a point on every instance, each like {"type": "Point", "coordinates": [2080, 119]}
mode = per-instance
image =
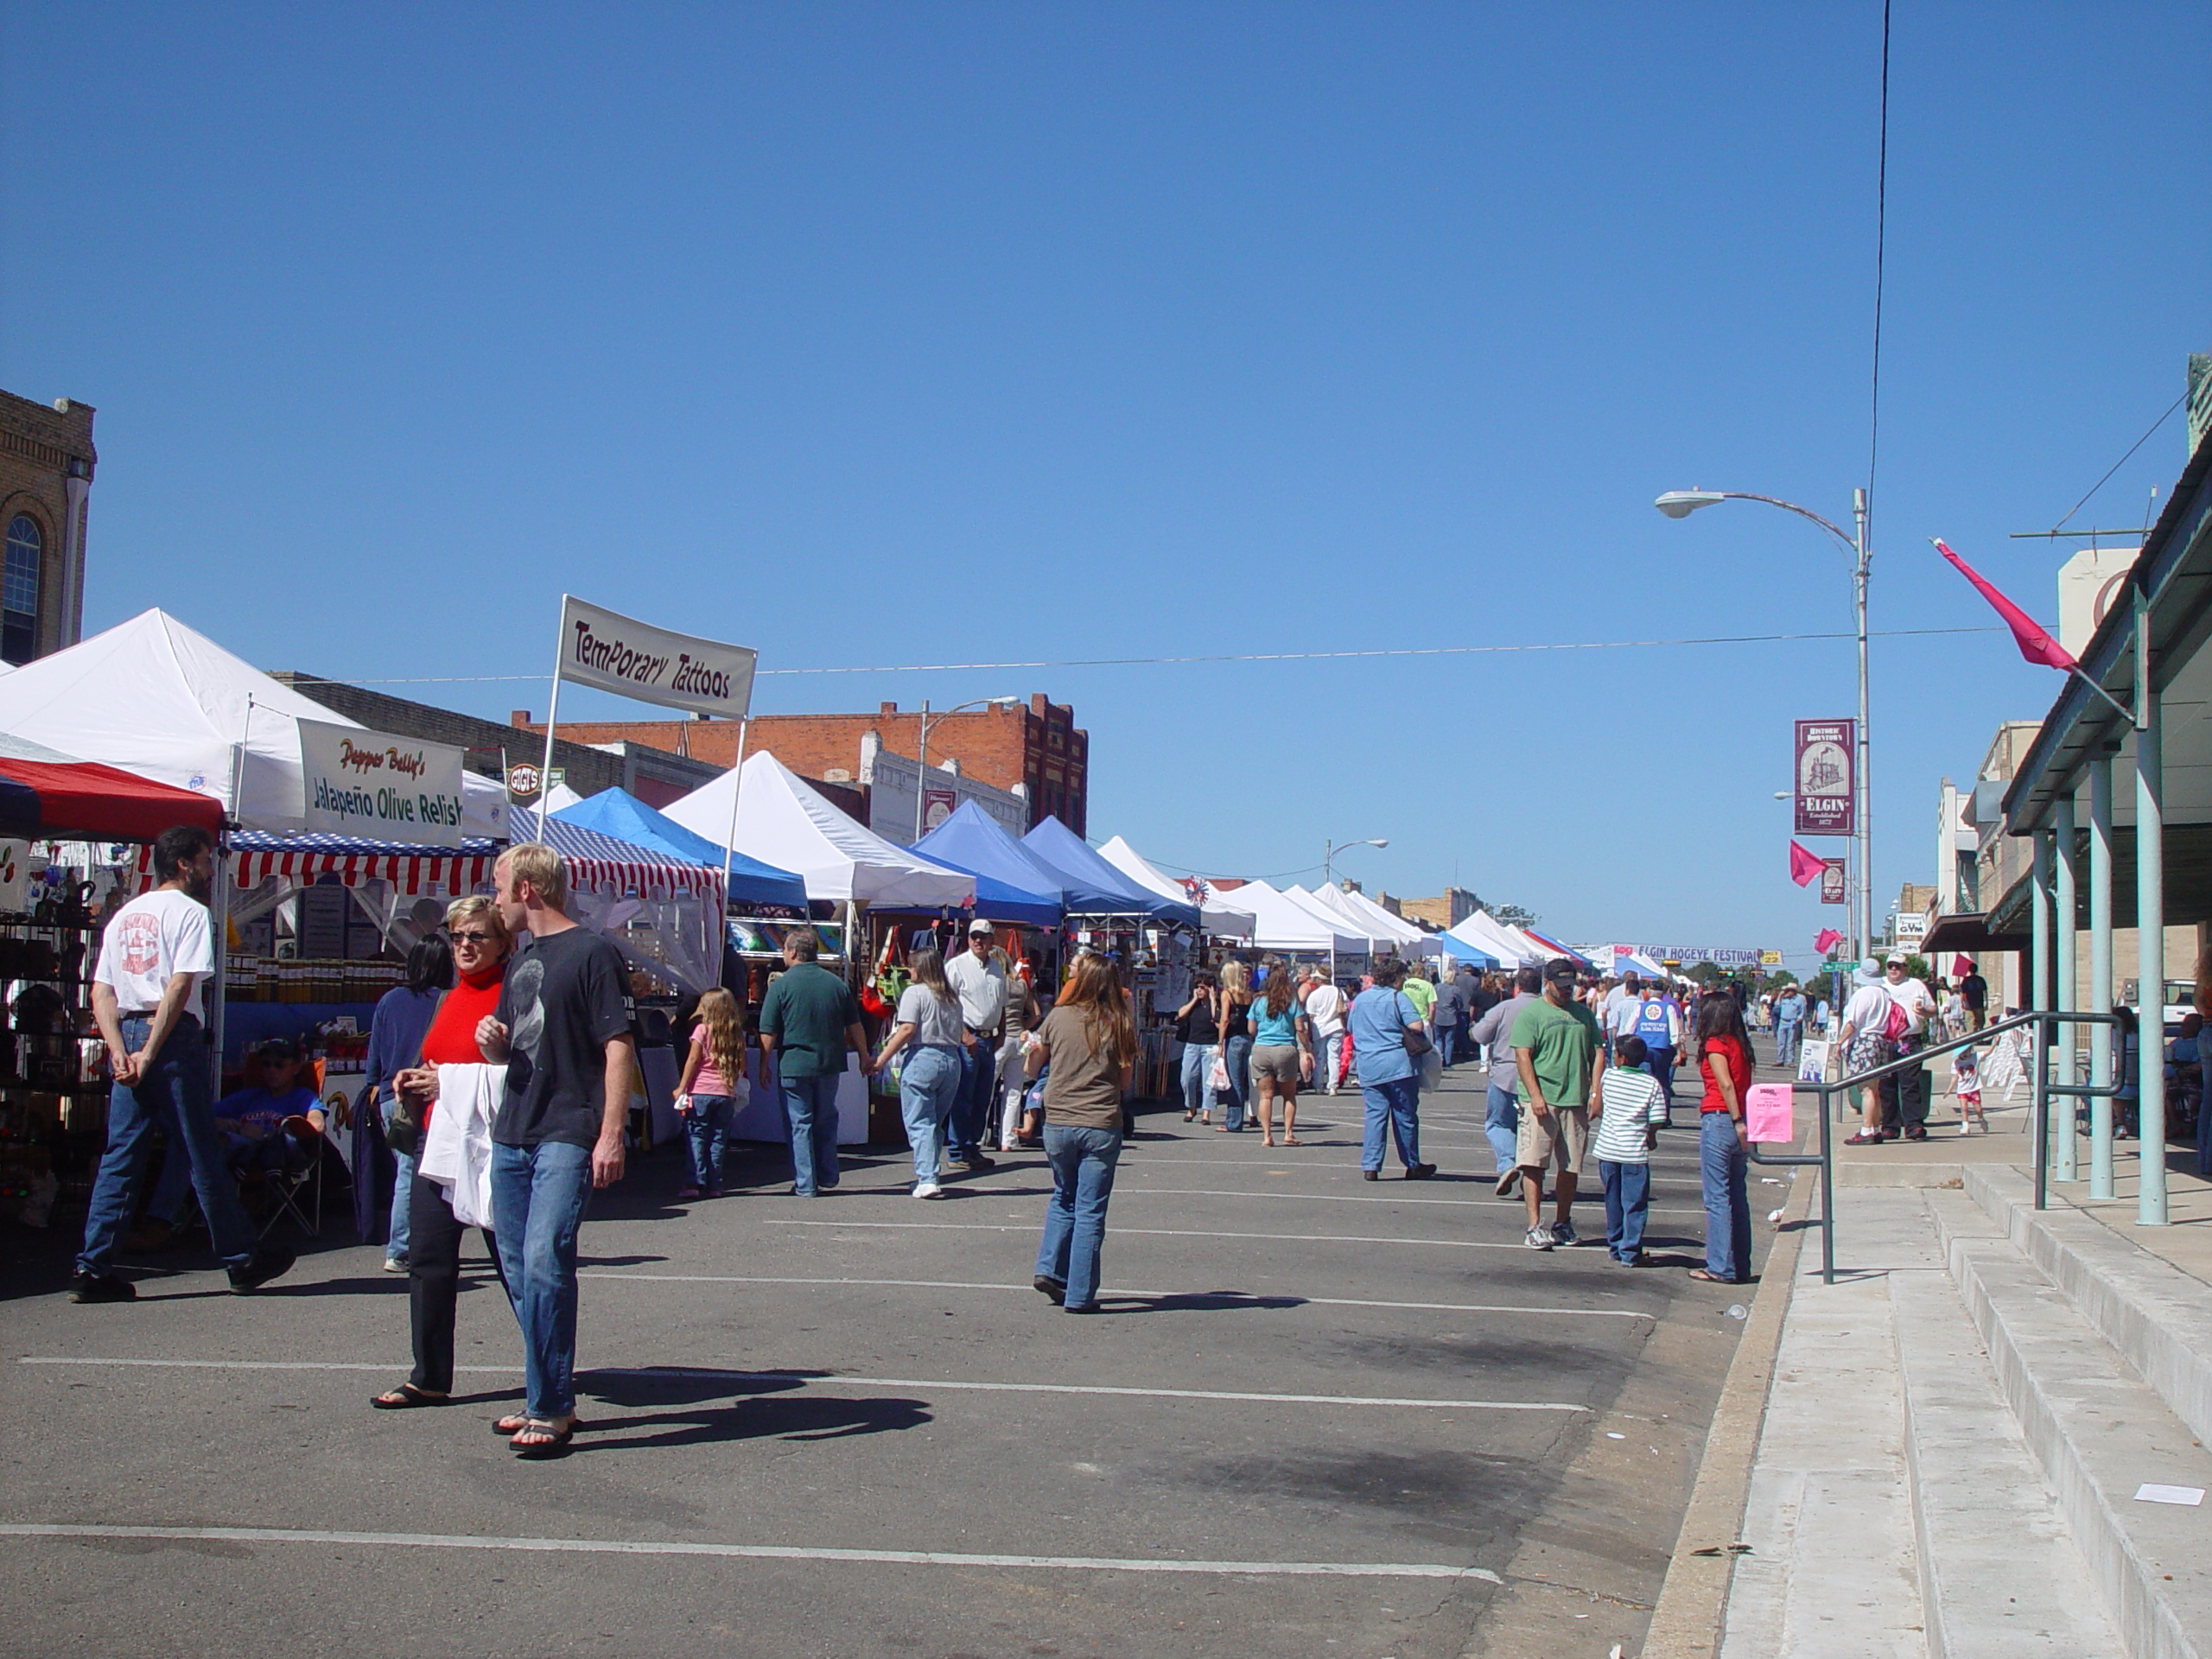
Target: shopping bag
{"type": "Point", "coordinates": [1217, 1073]}
{"type": "Point", "coordinates": [1431, 1066]}
{"type": "Point", "coordinates": [1767, 1115]}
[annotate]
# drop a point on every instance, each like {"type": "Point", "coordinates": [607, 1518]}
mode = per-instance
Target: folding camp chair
{"type": "Point", "coordinates": [293, 1187]}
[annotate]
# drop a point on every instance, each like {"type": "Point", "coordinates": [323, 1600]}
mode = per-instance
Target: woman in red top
{"type": "Point", "coordinates": [480, 942]}
{"type": "Point", "coordinates": [1724, 1057]}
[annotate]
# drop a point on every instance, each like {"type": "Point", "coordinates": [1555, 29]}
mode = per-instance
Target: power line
{"type": "Point", "coordinates": [1249, 657]}
{"type": "Point", "coordinates": [2123, 460]}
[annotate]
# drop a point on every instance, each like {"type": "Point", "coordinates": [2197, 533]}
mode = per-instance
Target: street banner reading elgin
{"type": "Point", "coordinates": [635, 659]}
{"type": "Point", "coordinates": [1827, 790]}
{"type": "Point", "coordinates": [373, 786]}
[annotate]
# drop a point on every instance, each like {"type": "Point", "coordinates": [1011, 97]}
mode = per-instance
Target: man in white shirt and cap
{"type": "Point", "coordinates": [980, 985]}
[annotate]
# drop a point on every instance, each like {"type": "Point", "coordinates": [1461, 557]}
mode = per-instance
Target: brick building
{"type": "Point", "coordinates": [1038, 750]}
{"type": "Point", "coordinates": [654, 776]}
{"type": "Point", "coordinates": [46, 460]}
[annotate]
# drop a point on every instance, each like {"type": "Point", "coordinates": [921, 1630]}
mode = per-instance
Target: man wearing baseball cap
{"type": "Point", "coordinates": [980, 983]}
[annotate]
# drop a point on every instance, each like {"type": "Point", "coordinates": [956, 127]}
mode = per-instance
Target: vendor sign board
{"type": "Point", "coordinates": [375, 786]}
{"type": "Point", "coordinates": [631, 659]}
{"type": "Point", "coordinates": [1832, 881]}
{"type": "Point", "coordinates": [1827, 777]}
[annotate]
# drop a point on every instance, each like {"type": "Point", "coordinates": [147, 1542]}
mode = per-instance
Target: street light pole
{"type": "Point", "coordinates": [1679, 504]}
{"type": "Point", "coordinates": [922, 746]}
{"type": "Point", "coordinates": [1330, 848]}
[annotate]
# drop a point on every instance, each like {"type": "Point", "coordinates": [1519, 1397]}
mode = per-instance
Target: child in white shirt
{"type": "Point", "coordinates": [1631, 1106]}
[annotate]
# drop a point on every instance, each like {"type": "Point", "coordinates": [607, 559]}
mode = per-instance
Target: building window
{"type": "Point", "coordinates": [19, 590]}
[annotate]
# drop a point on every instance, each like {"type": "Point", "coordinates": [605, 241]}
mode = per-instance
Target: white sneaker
{"type": "Point", "coordinates": [928, 1189]}
{"type": "Point", "coordinates": [1563, 1233]}
{"type": "Point", "coordinates": [1539, 1238]}
{"type": "Point", "coordinates": [395, 1264]}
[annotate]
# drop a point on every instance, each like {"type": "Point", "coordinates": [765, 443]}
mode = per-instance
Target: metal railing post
{"type": "Point", "coordinates": [2065, 894]}
{"type": "Point", "coordinates": [2100, 1071]}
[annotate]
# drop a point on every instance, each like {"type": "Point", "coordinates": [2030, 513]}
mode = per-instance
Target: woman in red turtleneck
{"type": "Point", "coordinates": [479, 957]}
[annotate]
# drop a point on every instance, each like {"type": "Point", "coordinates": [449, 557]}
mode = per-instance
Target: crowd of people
{"type": "Point", "coordinates": [503, 1069]}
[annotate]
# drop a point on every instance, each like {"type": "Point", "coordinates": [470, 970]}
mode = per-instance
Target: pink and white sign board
{"type": "Point", "coordinates": [1767, 1113]}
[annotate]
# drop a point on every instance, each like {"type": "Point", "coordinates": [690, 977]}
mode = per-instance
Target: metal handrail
{"type": "Point", "coordinates": [2042, 1086]}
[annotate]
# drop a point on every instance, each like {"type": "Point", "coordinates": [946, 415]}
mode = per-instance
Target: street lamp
{"type": "Point", "coordinates": [1679, 504]}
{"type": "Point", "coordinates": [1330, 848]}
{"type": "Point", "coordinates": [922, 760]}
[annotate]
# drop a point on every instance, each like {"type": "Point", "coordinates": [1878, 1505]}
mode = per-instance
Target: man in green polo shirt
{"type": "Point", "coordinates": [808, 1022]}
{"type": "Point", "coordinates": [1556, 1050]}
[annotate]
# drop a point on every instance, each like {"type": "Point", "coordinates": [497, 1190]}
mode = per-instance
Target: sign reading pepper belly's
{"type": "Point", "coordinates": [374, 786]}
{"type": "Point", "coordinates": [617, 653]}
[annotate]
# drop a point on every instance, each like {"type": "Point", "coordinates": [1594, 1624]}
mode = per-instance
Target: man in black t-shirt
{"type": "Point", "coordinates": [562, 1031]}
{"type": "Point", "coordinates": [1973, 996]}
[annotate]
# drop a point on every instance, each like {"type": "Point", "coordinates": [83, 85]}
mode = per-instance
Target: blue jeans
{"type": "Point", "coordinates": [1392, 1107]}
{"type": "Point", "coordinates": [1628, 1203]}
{"type": "Point", "coordinates": [811, 1108]}
{"type": "Point", "coordinates": [176, 1093]}
{"type": "Point", "coordinates": [928, 1084]}
{"type": "Point", "coordinates": [540, 1195]}
{"type": "Point", "coordinates": [1237, 1056]}
{"type": "Point", "coordinates": [1787, 1036]}
{"type": "Point", "coordinates": [1502, 1123]}
{"type": "Point", "coordinates": [1447, 1046]}
{"type": "Point", "coordinates": [1661, 1062]}
{"type": "Point", "coordinates": [1722, 1164]}
{"type": "Point", "coordinates": [967, 1124]}
{"type": "Point", "coordinates": [706, 1140]}
{"type": "Point", "coordinates": [403, 1195]}
{"type": "Point", "coordinates": [1197, 1062]}
{"type": "Point", "coordinates": [1075, 1221]}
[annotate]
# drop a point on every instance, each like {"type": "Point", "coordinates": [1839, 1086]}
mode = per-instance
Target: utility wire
{"type": "Point", "coordinates": [1249, 657]}
{"type": "Point", "coordinates": [2124, 460]}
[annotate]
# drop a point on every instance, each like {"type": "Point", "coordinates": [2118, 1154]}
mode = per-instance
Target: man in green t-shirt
{"type": "Point", "coordinates": [1556, 1051]}
{"type": "Point", "coordinates": [1420, 991]}
{"type": "Point", "coordinates": [809, 1023]}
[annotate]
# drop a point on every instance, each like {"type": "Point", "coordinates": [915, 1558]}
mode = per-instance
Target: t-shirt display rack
{"type": "Point", "coordinates": [52, 1121]}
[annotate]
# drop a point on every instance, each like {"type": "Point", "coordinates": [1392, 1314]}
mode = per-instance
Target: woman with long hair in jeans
{"type": "Point", "coordinates": [1197, 1028]}
{"type": "Point", "coordinates": [1236, 1041]}
{"type": "Point", "coordinates": [706, 1095]}
{"type": "Point", "coordinates": [928, 1025]}
{"type": "Point", "coordinates": [1090, 1043]}
{"type": "Point", "coordinates": [1724, 1057]}
{"type": "Point", "coordinates": [480, 942]}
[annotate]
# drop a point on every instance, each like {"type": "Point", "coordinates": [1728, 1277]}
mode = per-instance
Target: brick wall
{"type": "Point", "coordinates": [38, 446]}
{"type": "Point", "coordinates": [1040, 746]}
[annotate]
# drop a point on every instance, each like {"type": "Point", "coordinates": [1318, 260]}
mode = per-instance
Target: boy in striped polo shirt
{"type": "Point", "coordinates": [1631, 1105]}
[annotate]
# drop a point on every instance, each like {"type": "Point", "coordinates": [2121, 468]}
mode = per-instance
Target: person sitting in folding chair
{"type": "Point", "coordinates": [278, 1124]}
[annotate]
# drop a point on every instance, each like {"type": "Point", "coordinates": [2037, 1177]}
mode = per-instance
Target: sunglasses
{"type": "Point", "coordinates": [478, 939]}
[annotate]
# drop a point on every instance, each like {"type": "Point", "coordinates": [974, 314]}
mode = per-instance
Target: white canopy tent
{"type": "Point", "coordinates": [1340, 918]}
{"type": "Point", "coordinates": [1409, 939]}
{"type": "Point", "coordinates": [156, 699]}
{"type": "Point", "coordinates": [782, 821]}
{"type": "Point", "coordinates": [1280, 923]}
{"type": "Point", "coordinates": [1508, 945]}
{"type": "Point", "coordinates": [1218, 914]}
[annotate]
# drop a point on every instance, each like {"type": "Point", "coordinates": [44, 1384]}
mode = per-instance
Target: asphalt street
{"type": "Point", "coordinates": [1318, 1416]}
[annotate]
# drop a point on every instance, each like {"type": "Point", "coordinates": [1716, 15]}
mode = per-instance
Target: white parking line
{"type": "Point", "coordinates": [749, 1552]}
{"type": "Point", "coordinates": [691, 1374]}
{"type": "Point", "coordinates": [1113, 1290]}
{"type": "Point", "coordinates": [1154, 1232]}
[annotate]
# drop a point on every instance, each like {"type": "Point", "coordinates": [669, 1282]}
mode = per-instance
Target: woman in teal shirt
{"type": "Point", "coordinates": [1282, 1052]}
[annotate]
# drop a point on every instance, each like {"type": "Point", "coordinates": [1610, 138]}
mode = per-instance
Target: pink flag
{"type": "Point", "coordinates": [2035, 644]}
{"type": "Point", "coordinates": [1826, 940]}
{"type": "Point", "coordinates": [1805, 867]}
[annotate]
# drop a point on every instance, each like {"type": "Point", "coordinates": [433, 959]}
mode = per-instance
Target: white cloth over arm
{"type": "Point", "coordinates": [457, 1149]}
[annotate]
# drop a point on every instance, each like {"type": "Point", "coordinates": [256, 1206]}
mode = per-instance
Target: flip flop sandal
{"type": "Point", "coordinates": [507, 1427]}
{"type": "Point", "coordinates": [544, 1448]}
{"type": "Point", "coordinates": [1709, 1278]}
{"type": "Point", "coordinates": [408, 1397]}
{"type": "Point", "coordinates": [1292, 1140]}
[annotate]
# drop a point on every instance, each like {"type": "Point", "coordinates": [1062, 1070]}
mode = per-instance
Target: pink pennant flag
{"type": "Point", "coordinates": [1826, 940]}
{"type": "Point", "coordinates": [1805, 867]}
{"type": "Point", "coordinates": [2035, 644]}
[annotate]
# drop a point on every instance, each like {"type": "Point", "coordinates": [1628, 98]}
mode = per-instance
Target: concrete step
{"type": "Point", "coordinates": [2157, 1318]}
{"type": "Point", "coordinates": [1999, 1574]}
{"type": "Point", "coordinates": [2098, 1432]}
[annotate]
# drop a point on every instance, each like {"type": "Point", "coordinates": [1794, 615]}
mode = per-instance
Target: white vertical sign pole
{"type": "Point", "coordinates": [552, 719]}
{"type": "Point", "coordinates": [736, 794]}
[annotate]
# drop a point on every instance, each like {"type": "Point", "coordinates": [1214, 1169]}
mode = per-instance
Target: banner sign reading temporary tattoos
{"type": "Point", "coordinates": [631, 659]}
{"type": "Point", "coordinates": [1827, 774]}
{"type": "Point", "coordinates": [374, 786]}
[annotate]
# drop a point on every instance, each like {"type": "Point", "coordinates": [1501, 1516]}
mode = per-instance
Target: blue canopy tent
{"type": "Point", "coordinates": [1091, 887]}
{"type": "Point", "coordinates": [621, 815]}
{"type": "Point", "coordinates": [1011, 885]}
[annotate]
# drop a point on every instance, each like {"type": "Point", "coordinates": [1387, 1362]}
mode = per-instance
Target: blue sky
{"type": "Point", "coordinates": [894, 335]}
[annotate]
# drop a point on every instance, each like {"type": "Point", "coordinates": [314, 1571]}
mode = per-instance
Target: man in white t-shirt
{"type": "Point", "coordinates": [158, 952]}
{"type": "Point", "coordinates": [1324, 1007]}
{"type": "Point", "coordinates": [981, 984]}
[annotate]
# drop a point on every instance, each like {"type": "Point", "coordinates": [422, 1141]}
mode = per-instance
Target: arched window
{"type": "Point", "coordinates": [19, 589]}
